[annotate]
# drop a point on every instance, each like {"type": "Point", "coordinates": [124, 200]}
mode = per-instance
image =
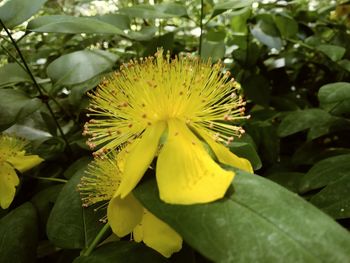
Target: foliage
{"type": "Point", "coordinates": [293, 63]}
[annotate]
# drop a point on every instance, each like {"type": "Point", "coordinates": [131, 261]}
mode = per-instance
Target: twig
{"type": "Point", "coordinates": [42, 95]}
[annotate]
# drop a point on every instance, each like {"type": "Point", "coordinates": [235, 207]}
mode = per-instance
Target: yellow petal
{"type": "Point", "coordinates": [23, 163]}
{"type": "Point", "coordinates": [186, 174]}
{"type": "Point", "coordinates": [225, 156]}
{"type": "Point", "coordinates": [124, 214]}
{"type": "Point", "coordinates": [140, 157]}
{"type": "Point", "coordinates": [159, 236]}
{"type": "Point", "coordinates": [8, 183]}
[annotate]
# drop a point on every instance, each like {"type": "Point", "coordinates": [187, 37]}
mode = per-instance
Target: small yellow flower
{"type": "Point", "coordinates": [126, 215]}
{"type": "Point", "coordinates": [12, 156]}
{"type": "Point", "coordinates": [176, 104]}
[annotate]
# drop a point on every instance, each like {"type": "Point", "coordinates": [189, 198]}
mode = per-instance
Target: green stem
{"type": "Point", "coordinates": [201, 27]}
{"type": "Point", "coordinates": [42, 95]}
{"type": "Point", "coordinates": [95, 242]}
{"type": "Point", "coordinates": [49, 179]}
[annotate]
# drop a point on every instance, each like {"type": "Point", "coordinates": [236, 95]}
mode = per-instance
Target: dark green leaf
{"type": "Point", "coordinates": [230, 5]}
{"type": "Point", "coordinates": [73, 25]}
{"type": "Point", "coordinates": [289, 180]}
{"type": "Point", "coordinates": [122, 251]}
{"type": "Point", "coordinates": [80, 66]}
{"type": "Point", "coordinates": [117, 20]}
{"type": "Point", "coordinates": [334, 199]}
{"type": "Point", "coordinates": [287, 26]}
{"type": "Point", "coordinates": [257, 88]}
{"type": "Point", "coordinates": [15, 12]}
{"type": "Point", "coordinates": [246, 150]}
{"type": "Point", "coordinates": [78, 166]}
{"type": "Point", "coordinates": [239, 21]}
{"type": "Point", "coordinates": [335, 97]}
{"type": "Point", "coordinates": [335, 53]}
{"type": "Point", "coordinates": [325, 172]}
{"type": "Point", "coordinates": [70, 225]}
{"type": "Point", "coordinates": [258, 221]}
{"type": "Point", "coordinates": [301, 120]}
{"type": "Point", "coordinates": [266, 32]}
{"type": "Point", "coordinates": [345, 64]}
{"type": "Point", "coordinates": [19, 235]}
{"type": "Point", "coordinates": [12, 73]}
{"type": "Point", "coordinates": [163, 10]}
{"type": "Point", "coordinates": [43, 202]}
{"type": "Point", "coordinates": [15, 105]}
{"type": "Point", "coordinates": [213, 50]}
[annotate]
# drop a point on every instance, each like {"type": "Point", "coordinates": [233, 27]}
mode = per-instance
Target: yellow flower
{"type": "Point", "coordinates": [176, 104]}
{"type": "Point", "coordinates": [12, 156]}
{"type": "Point", "coordinates": [126, 215]}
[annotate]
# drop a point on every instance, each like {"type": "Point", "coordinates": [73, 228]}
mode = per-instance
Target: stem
{"type": "Point", "coordinates": [95, 242]}
{"type": "Point", "coordinates": [49, 179]}
{"type": "Point", "coordinates": [42, 95]}
{"type": "Point", "coordinates": [201, 26]}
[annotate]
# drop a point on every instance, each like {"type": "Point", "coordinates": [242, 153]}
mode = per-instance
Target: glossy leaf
{"type": "Point", "coordinates": [70, 225]}
{"type": "Point", "coordinates": [230, 5]}
{"type": "Point", "coordinates": [12, 73]}
{"type": "Point", "coordinates": [335, 53]}
{"type": "Point", "coordinates": [334, 199]}
{"type": "Point", "coordinates": [287, 26]}
{"type": "Point", "coordinates": [325, 172]}
{"type": "Point", "coordinates": [74, 25]}
{"type": "Point", "coordinates": [335, 97]}
{"type": "Point", "coordinates": [19, 235]}
{"type": "Point", "coordinates": [213, 50]}
{"type": "Point", "coordinates": [80, 66]}
{"type": "Point", "coordinates": [246, 150]}
{"type": "Point", "coordinates": [266, 32]}
{"type": "Point", "coordinates": [163, 10]}
{"type": "Point", "coordinates": [257, 221]}
{"type": "Point", "coordinates": [15, 12]}
{"type": "Point", "coordinates": [16, 105]}
{"type": "Point", "coordinates": [301, 120]}
{"type": "Point", "coordinates": [122, 251]}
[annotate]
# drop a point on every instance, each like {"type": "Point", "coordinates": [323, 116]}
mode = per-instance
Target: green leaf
{"type": "Point", "coordinates": [166, 41]}
{"type": "Point", "coordinates": [246, 150]}
{"type": "Point", "coordinates": [213, 50]}
{"type": "Point", "coordinates": [15, 105]}
{"type": "Point", "coordinates": [266, 32]}
{"type": "Point", "coordinates": [15, 12]}
{"type": "Point", "coordinates": [257, 88]}
{"type": "Point", "coordinates": [118, 20]}
{"type": "Point", "coordinates": [80, 66]}
{"type": "Point", "coordinates": [74, 25]}
{"type": "Point", "coordinates": [287, 26]}
{"type": "Point", "coordinates": [345, 64]}
{"type": "Point", "coordinates": [70, 225]}
{"type": "Point", "coordinates": [12, 73]}
{"type": "Point", "coordinates": [334, 199]}
{"type": "Point", "coordinates": [301, 120]}
{"type": "Point", "coordinates": [19, 235]}
{"type": "Point", "coordinates": [77, 167]}
{"type": "Point", "coordinates": [289, 180]}
{"type": "Point", "coordinates": [325, 172]}
{"type": "Point", "coordinates": [335, 53]}
{"type": "Point", "coordinates": [163, 10]}
{"type": "Point", "coordinates": [121, 251]}
{"type": "Point", "coordinates": [259, 221]}
{"type": "Point", "coordinates": [43, 202]}
{"type": "Point", "coordinates": [230, 5]}
{"type": "Point", "coordinates": [239, 21]}
{"type": "Point", "coordinates": [335, 97]}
